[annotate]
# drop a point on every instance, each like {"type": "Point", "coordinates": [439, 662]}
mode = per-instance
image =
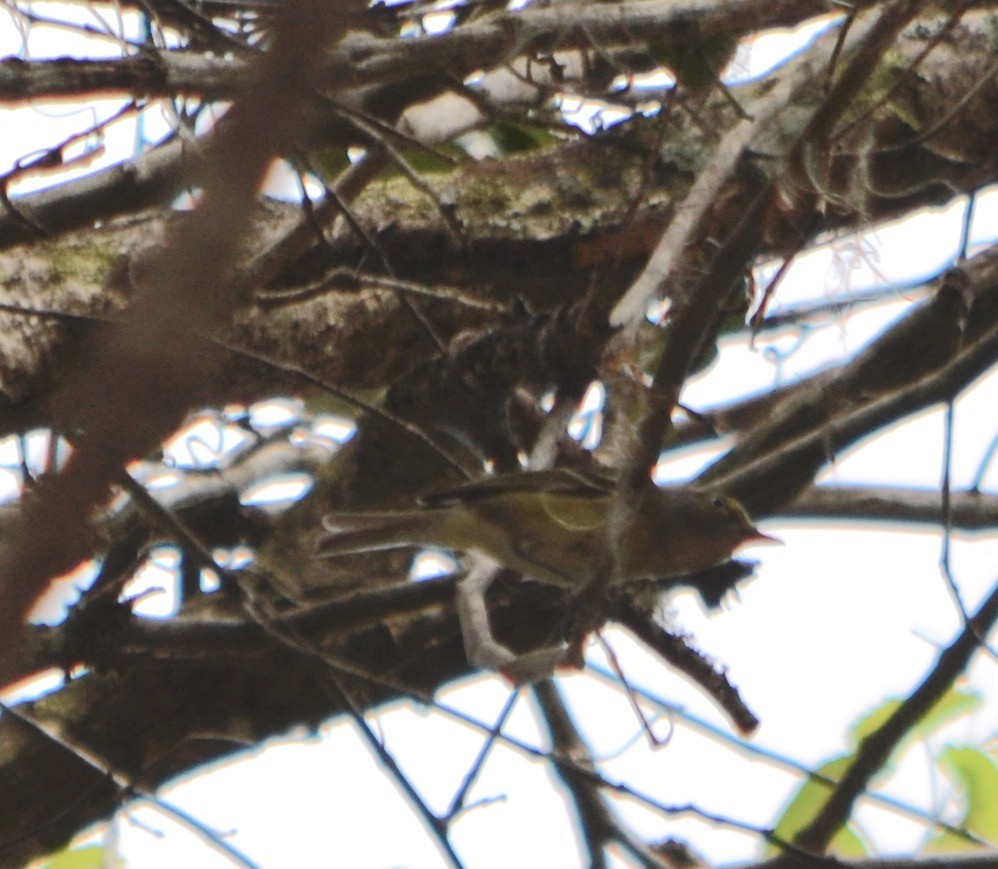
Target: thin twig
{"type": "Point", "coordinates": [125, 786]}
{"type": "Point", "coordinates": [457, 803]}
{"type": "Point", "coordinates": [726, 738]}
{"type": "Point", "coordinates": [631, 696]}
{"type": "Point", "coordinates": [953, 20]}
{"type": "Point", "coordinates": [378, 412]}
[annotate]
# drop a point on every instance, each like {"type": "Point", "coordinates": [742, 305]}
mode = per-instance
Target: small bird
{"type": "Point", "coordinates": [551, 525]}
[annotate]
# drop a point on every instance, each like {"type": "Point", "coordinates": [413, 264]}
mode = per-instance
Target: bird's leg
{"type": "Point", "coordinates": [481, 647]}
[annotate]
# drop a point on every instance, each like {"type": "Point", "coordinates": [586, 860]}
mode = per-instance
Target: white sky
{"type": "Point", "coordinates": [836, 620]}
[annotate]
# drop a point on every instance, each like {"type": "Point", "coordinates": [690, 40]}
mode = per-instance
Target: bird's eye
{"type": "Point", "coordinates": [718, 502]}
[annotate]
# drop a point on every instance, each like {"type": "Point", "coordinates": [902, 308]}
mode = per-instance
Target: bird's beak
{"type": "Point", "coordinates": [756, 536]}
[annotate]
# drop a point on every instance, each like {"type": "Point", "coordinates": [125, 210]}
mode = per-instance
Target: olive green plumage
{"type": "Point", "coordinates": [551, 525]}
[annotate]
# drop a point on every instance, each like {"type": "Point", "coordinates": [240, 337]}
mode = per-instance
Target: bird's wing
{"type": "Point", "coordinates": [366, 532]}
{"type": "Point", "coordinates": [563, 481]}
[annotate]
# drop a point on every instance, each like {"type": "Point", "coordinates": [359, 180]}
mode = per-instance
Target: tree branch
{"type": "Point", "coordinates": [875, 750]}
{"type": "Point", "coordinates": [124, 417]}
{"type": "Point", "coordinates": [971, 510]}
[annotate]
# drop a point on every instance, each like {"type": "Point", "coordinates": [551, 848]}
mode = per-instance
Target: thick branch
{"type": "Point", "coordinates": [186, 288]}
{"type": "Point", "coordinates": [881, 384]}
{"type": "Point", "coordinates": [780, 475]}
{"type": "Point", "coordinates": [901, 179]}
{"type": "Point", "coordinates": [156, 711]}
{"type": "Point", "coordinates": [364, 59]}
{"type": "Point", "coordinates": [970, 511]}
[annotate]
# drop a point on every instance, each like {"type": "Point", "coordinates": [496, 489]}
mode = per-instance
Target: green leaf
{"type": "Point", "coordinates": [329, 162]}
{"type": "Point", "coordinates": [812, 795]}
{"type": "Point", "coordinates": [441, 158]}
{"type": "Point", "coordinates": [807, 802]}
{"type": "Point", "coordinates": [90, 857]}
{"type": "Point", "coordinates": [513, 138]}
{"type": "Point", "coordinates": [975, 775]}
{"type": "Point", "coordinates": [954, 704]}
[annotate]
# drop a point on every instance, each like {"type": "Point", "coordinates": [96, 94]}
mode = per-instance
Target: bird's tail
{"type": "Point", "coordinates": [368, 532]}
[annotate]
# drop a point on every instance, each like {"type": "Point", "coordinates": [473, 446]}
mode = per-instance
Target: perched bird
{"type": "Point", "coordinates": [551, 525]}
